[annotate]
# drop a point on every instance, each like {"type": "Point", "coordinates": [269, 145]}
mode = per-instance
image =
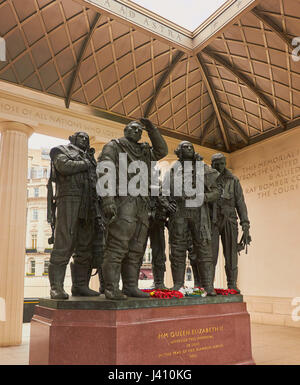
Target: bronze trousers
{"type": "Point", "coordinates": [228, 233]}
{"type": "Point", "coordinates": [73, 236]}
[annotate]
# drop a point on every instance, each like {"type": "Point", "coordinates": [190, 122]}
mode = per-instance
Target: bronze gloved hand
{"type": "Point", "coordinates": [169, 206]}
{"type": "Point", "coordinates": [147, 124]}
{"type": "Point", "coordinates": [172, 207]}
{"type": "Point", "coordinates": [246, 238]}
{"type": "Point", "coordinates": [198, 157]}
{"type": "Point", "coordinates": [245, 228]}
{"type": "Point", "coordinates": [109, 211]}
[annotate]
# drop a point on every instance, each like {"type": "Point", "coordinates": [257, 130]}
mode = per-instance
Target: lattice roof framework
{"type": "Point", "coordinates": [230, 83]}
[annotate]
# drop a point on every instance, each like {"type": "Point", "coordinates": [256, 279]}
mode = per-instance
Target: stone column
{"type": "Point", "coordinates": [13, 192]}
{"type": "Point", "coordinates": [165, 164]}
{"type": "Point", "coordinates": [168, 274]}
{"type": "Point", "coordinates": [220, 275]}
{"type": "Point", "coordinates": [97, 145]}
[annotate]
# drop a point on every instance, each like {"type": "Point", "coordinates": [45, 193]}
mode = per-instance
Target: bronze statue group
{"type": "Point", "coordinates": [109, 232]}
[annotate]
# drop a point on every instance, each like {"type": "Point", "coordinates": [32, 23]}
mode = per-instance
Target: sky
{"type": "Point", "coordinates": [187, 13]}
{"type": "Point", "coordinates": [37, 141]}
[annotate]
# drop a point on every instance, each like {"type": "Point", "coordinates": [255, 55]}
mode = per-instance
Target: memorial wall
{"type": "Point", "coordinates": [269, 274]}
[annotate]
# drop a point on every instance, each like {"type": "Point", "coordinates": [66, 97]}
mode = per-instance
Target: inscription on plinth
{"type": "Point", "coordinates": [190, 341]}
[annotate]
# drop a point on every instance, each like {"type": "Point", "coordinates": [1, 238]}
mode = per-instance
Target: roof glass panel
{"type": "Point", "coordinates": [186, 13]}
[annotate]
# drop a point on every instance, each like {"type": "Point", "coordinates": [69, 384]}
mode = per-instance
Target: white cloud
{"type": "Point", "coordinates": [187, 13]}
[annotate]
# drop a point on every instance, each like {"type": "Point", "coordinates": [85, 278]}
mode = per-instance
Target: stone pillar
{"type": "Point", "coordinates": [97, 145]}
{"type": "Point", "coordinates": [168, 274]}
{"type": "Point", "coordinates": [13, 192]}
{"type": "Point", "coordinates": [165, 164]}
{"type": "Point", "coordinates": [220, 275]}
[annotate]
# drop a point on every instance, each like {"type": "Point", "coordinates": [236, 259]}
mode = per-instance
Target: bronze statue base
{"type": "Point", "coordinates": [138, 331]}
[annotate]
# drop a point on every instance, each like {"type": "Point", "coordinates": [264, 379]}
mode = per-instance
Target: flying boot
{"type": "Point", "coordinates": [197, 280]}
{"type": "Point", "coordinates": [111, 276]}
{"type": "Point", "coordinates": [56, 277]}
{"type": "Point", "coordinates": [178, 272]}
{"type": "Point", "coordinates": [130, 281]}
{"type": "Point", "coordinates": [232, 279]}
{"type": "Point", "coordinates": [80, 281]}
{"type": "Point", "coordinates": [158, 275]}
{"type": "Point", "coordinates": [207, 277]}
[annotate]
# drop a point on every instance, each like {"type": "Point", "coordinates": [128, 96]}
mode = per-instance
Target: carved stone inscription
{"type": "Point", "coordinates": [272, 177]}
{"type": "Point", "coordinates": [42, 116]}
{"type": "Point", "coordinates": [142, 20]}
{"type": "Point", "coordinates": [190, 342]}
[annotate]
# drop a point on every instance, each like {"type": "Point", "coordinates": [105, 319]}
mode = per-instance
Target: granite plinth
{"type": "Point", "coordinates": [138, 331]}
{"type": "Point", "coordinates": [101, 303]}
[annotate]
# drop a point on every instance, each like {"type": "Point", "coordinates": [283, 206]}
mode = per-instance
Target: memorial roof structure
{"type": "Point", "coordinates": [230, 83]}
